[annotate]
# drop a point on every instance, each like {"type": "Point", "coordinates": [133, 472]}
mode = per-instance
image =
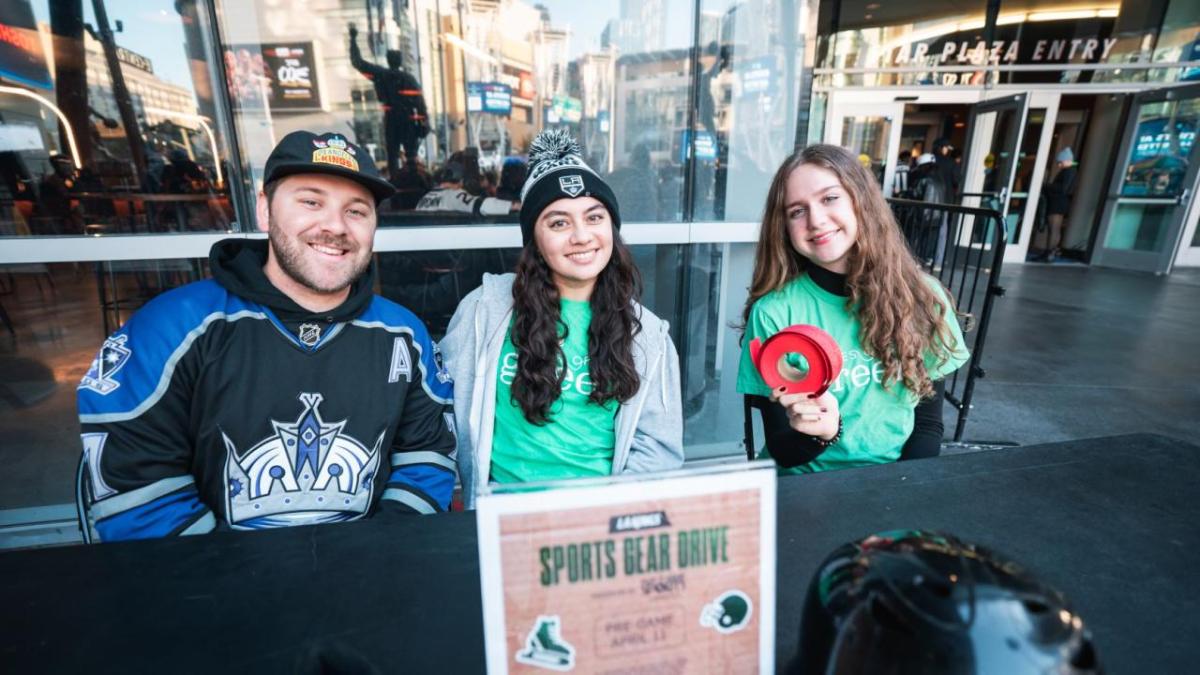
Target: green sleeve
{"type": "Point", "coordinates": [763, 323]}
{"type": "Point", "coordinates": [958, 346]}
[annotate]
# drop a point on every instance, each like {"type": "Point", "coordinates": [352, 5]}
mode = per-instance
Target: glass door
{"type": "Point", "coordinates": [1144, 212]}
{"type": "Point", "coordinates": [871, 132]}
{"type": "Point", "coordinates": [994, 131]}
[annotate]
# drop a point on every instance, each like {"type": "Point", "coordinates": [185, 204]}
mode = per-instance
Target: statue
{"type": "Point", "coordinates": [405, 119]}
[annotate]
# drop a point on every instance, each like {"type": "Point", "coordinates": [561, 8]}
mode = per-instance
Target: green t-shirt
{"type": "Point", "coordinates": [579, 437]}
{"type": "Point", "coordinates": [876, 421]}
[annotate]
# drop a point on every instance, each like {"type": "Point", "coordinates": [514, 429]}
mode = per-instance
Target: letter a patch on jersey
{"type": "Point", "coordinates": [401, 361]}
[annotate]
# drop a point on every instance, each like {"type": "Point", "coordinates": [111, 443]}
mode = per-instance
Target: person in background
{"type": "Point", "coordinates": [918, 149]}
{"type": "Point", "coordinates": [943, 153]}
{"type": "Point", "coordinates": [831, 255]}
{"type": "Point", "coordinates": [411, 182]}
{"type": "Point", "coordinates": [901, 176]}
{"type": "Point", "coordinates": [450, 194]}
{"type": "Point", "coordinates": [561, 372]}
{"type": "Point", "coordinates": [53, 213]}
{"type": "Point", "coordinates": [1058, 203]}
{"type": "Point", "coordinates": [512, 179]}
{"type": "Point", "coordinates": [927, 185]}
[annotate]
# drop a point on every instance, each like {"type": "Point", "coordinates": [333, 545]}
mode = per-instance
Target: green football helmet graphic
{"type": "Point", "coordinates": [730, 612]}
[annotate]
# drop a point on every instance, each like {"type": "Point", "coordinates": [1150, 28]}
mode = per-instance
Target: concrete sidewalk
{"type": "Point", "coordinates": [1075, 352]}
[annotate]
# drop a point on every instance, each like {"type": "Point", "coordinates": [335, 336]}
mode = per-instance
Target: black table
{"type": "Point", "coordinates": [1113, 522]}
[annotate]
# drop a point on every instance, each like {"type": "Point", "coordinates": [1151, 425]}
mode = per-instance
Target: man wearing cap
{"type": "Point", "coordinates": [280, 392]}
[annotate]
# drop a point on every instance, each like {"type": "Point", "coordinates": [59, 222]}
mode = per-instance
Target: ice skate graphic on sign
{"type": "Point", "coordinates": [729, 613]}
{"type": "Point", "coordinates": [545, 647]}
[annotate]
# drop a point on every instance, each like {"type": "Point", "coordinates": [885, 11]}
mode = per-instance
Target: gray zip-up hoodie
{"type": "Point", "coordinates": [649, 427]}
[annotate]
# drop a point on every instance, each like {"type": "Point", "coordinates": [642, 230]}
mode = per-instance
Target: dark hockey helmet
{"type": "Point", "coordinates": [910, 601]}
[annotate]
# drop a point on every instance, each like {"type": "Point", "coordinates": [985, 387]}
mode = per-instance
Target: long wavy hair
{"type": "Point", "coordinates": [902, 318]}
{"type": "Point", "coordinates": [538, 329]}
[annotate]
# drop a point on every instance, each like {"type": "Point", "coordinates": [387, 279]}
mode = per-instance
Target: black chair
{"type": "Point", "coordinates": [750, 402]}
{"type": "Point", "coordinates": [83, 499]}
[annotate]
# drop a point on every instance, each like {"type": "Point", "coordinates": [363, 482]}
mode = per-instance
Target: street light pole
{"type": "Point", "coordinates": [133, 132]}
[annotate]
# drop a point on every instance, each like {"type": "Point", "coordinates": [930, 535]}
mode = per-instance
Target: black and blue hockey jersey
{"type": "Point", "coordinates": [216, 406]}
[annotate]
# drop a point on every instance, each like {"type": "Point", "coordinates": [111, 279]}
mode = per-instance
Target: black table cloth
{"type": "Point", "coordinates": [1112, 522]}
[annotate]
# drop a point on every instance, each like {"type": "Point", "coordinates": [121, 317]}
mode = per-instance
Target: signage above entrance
{"type": "Point", "coordinates": [1038, 43]}
{"type": "Point", "coordinates": [1004, 51]}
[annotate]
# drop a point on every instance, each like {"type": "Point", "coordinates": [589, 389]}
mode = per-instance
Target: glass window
{"type": "Point", "coordinates": [1158, 160]}
{"type": "Point", "coordinates": [1179, 38]}
{"type": "Point", "coordinates": [448, 96]}
{"type": "Point", "coordinates": [1023, 178]}
{"type": "Point", "coordinates": [867, 137]}
{"type": "Point", "coordinates": [751, 55]}
{"type": "Point", "coordinates": [108, 123]}
{"type": "Point", "coordinates": [718, 276]}
{"type": "Point", "coordinates": [54, 318]}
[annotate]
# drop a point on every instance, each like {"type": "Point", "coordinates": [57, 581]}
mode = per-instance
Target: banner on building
{"type": "Point", "coordinates": [567, 109]}
{"type": "Point", "coordinates": [673, 573]}
{"type": "Point", "coordinates": [494, 98]}
{"type": "Point", "coordinates": [292, 69]}
{"type": "Point", "coordinates": [279, 75]}
{"type": "Point", "coordinates": [22, 59]}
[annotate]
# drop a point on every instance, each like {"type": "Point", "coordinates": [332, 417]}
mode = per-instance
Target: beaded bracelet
{"type": "Point", "coordinates": [826, 443]}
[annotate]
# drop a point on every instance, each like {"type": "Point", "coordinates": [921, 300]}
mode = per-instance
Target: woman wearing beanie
{"type": "Point", "coordinates": [1058, 194]}
{"type": "Point", "coordinates": [559, 372]}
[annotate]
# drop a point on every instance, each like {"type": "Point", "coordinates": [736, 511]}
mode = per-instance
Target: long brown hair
{"type": "Point", "coordinates": [902, 318]}
{"type": "Point", "coordinates": [538, 327]}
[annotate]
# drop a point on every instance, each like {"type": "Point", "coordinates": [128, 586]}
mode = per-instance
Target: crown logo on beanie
{"type": "Point", "coordinates": [557, 171]}
{"type": "Point", "coordinates": [552, 149]}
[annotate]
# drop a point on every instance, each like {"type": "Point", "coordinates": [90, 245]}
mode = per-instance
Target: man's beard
{"type": "Point", "coordinates": [290, 257]}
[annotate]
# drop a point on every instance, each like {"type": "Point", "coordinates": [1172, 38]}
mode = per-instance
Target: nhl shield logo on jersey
{"type": "Point", "coordinates": [545, 646]}
{"type": "Point", "coordinates": [571, 185]}
{"type": "Point", "coordinates": [310, 333]}
{"type": "Point", "coordinates": [307, 472]}
{"type": "Point", "coordinates": [112, 357]}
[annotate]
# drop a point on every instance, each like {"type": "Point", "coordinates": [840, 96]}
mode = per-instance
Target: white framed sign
{"type": "Point", "coordinates": [671, 572]}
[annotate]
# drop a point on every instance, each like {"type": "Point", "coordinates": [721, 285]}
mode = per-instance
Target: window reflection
{"type": "Point", "coordinates": [448, 96]}
{"type": "Point", "coordinates": [53, 318]}
{"type": "Point", "coordinates": [107, 120]}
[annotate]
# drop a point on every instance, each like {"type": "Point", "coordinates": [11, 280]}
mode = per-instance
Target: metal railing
{"type": "Point", "coordinates": [963, 247]}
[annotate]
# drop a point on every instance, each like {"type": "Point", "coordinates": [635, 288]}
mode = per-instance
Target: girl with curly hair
{"type": "Point", "coordinates": [558, 371]}
{"type": "Point", "coordinates": [830, 254]}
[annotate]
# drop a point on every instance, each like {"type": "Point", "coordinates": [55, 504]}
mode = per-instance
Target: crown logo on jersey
{"type": "Point", "coordinates": [112, 357]}
{"type": "Point", "coordinates": [308, 472]}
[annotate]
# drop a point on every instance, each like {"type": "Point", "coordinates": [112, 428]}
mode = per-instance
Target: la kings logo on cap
{"type": "Point", "coordinates": [571, 185]}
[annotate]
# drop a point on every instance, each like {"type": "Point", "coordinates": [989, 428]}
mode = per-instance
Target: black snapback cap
{"type": "Point", "coordinates": [329, 153]}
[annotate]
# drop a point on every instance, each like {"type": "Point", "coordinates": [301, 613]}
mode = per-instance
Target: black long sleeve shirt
{"type": "Point", "coordinates": [792, 448]}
